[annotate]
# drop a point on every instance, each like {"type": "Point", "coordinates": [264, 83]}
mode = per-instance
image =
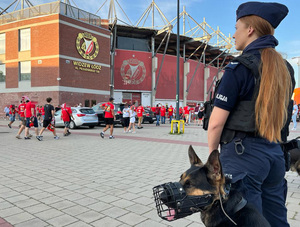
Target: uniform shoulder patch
{"type": "Point", "coordinates": [233, 65]}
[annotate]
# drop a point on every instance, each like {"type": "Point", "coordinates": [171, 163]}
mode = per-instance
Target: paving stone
{"type": "Point", "coordinates": [107, 222]}
{"type": "Point", "coordinates": [131, 219]}
{"type": "Point", "coordinates": [90, 216]}
{"type": "Point", "coordinates": [19, 218]}
{"type": "Point", "coordinates": [32, 223]}
{"type": "Point", "coordinates": [62, 220]}
{"type": "Point", "coordinates": [10, 211]}
{"type": "Point", "coordinates": [37, 208]}
{"type": "Point", "coordinates": [75, 210]}
{"type": "Point", "coordinates": [99, 206]}
{"type": "Point", "coordinates": [150, 223]}
{"type": "Point", "coordinates": [115, 212]}
{"type": "Point", "coordinates": [138, 209]}
{"type": "Point", "coordinates": [48, 214]}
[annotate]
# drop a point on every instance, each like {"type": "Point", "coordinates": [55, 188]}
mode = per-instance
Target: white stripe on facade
{"type": "Point", "coordinates": [84, 29]}
{"type": "Point", "coordinates": [82, 60]}
{"type": "Point", "coordinates": [54, 88]}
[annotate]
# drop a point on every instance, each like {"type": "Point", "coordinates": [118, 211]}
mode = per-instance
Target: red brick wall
{"type": "Point", "coordinates": [12, 75]}
{"type": "Point", "coordinates": [46, 73]}
{"type": "Point", "coordinates": [12, 44]}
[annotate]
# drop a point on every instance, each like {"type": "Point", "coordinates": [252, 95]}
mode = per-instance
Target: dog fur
{"type": "Point", "coordinates": [295, 160]}
{"type": "Point", "coordinates": [208, 178]}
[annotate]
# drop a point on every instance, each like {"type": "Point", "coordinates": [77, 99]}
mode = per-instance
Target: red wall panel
{"type": "Point", "coordinates": [196, 90]}
{"type": "Point", "coordinates": [133, 70]}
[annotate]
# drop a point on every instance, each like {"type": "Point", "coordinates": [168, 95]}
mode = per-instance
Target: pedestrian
{"type": "Point", "coordinates": [126, 117]}
{"type": "Point", "coordinates": [22, 125]}
{"type": "Point", "coordinates": [140, 110]}
{"type": "Point", "coordinates": [132, 115]}
{"type": "Point", "coordinates": [66, 116]}
{"type": "Point", "coordinates": [6, 111]}
{"type": "Point", "coordinates": [12, 115]}
{"type": "Point", "coordinates": [49, 115]}
{"type": "Point", "coordinates": [200, 115]}
{"type": "Point", "coordinates": [170, 113]}
{"type": "Point", "coordinates": [109, 117]}
{"type": "Point", "coordinates": [294, 115]}
{"type": "Point", "coordinates": [157, 114]}
{"type": "Point", "coordinates": [163, 114]}
{"type": "Point", "coordinates": [186, 111]}
{"type": "Point", "coordinates": [30, 114]}
{"type": "Point", "coordinates": [247, 120]}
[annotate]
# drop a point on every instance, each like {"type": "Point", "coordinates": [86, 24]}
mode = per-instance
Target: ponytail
{"type": "Point", "coordinates": [274, 95]}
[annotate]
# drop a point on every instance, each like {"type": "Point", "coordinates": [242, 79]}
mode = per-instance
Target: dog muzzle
{"type": "Point", "coordinates": [173, 203]}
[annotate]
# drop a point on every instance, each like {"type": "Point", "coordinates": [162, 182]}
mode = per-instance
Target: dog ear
{"type": "Point", "coordinates": [214, 165]}
{"type": "Point", "coordinates": [194, 159]}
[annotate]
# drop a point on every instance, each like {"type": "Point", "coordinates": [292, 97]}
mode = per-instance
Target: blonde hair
{"type": "Point", "coordinates": [275, 86]}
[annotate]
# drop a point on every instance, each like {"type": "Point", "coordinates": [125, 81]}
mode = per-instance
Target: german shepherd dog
{"type": "Point", "coordinates": [204, 188]}
{"type": "Point", "coordinates": [295, 160]}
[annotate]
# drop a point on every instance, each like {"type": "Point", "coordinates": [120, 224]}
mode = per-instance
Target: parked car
{"type": "Point", "coordinates": [83, 116]}
{"type": "Point", "coordinates": [118, 113]}
{"type": "Point", "coordinates": [148, 116]}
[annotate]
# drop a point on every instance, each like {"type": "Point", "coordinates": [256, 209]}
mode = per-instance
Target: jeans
{"type": "Point", "coordinates": [294, 120]}
{"type": "Point", "coordinates": [163, 120]}
{"type": "Point", "coordinates": [157, 119]}
{"type": "Point", "coordinates": [171, 119]}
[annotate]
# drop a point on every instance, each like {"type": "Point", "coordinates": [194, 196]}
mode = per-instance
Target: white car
{"type": "Point", "coordinates": [83, 116]}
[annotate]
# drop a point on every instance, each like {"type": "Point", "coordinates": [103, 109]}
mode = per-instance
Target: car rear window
{"type": "Point", "coordinates": [87, 111]}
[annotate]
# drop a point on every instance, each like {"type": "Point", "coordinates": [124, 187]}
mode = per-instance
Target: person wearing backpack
{"type": "Point", "coordinates": [251, 111]}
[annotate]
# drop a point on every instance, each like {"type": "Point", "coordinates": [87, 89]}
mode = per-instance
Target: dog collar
{"type": "Point", "coordinates": [240, 205]}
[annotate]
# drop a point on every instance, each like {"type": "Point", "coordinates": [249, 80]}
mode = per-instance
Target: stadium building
{"type": "Point", "coordinates": [57, 50]}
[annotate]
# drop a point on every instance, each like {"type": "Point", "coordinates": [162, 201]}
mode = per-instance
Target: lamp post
{"type": "Point", "coordinates": [178, 57]}
{"type": "Point", "coordinates": [298, 63]}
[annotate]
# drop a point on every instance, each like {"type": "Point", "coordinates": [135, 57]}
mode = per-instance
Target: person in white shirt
{"type": "Point", "coordinates": [294, 116]}
{"type": "Point", "coordinates": [126, 117]}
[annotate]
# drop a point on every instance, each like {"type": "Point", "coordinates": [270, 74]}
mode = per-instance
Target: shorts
{"type": "Point", "coordinates": [7, 114]}
{"type": "Point", "coordinates": [35, 122]}
{"type": "Point", "coordinates": [67, 124]}
{"type": "Point", "coordinates": [132, 120]}
{"type": "Point", "coordinates": [126, 121]}
{"type": "Point", "coordinates": [12, 117]}
{"type": "Point", "coordinates": [46, 123]}
{"type": "Point", "coordinates": [23, 120]}
{"type": "Point", "coordinates": [109, 121]}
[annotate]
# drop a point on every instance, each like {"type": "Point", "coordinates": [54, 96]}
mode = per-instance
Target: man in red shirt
{"type": "Point", "coordinates": [66, 115]}
{"type": "Point", "coordinates": [30, 114]}
{"type": "Point", "coordinates": [170, 112]}
{"type": "Point", "coordinates": [163, 114]}
{"type": "Point", "coordinates": [186, 110]}
{"type": "Point", "coordinates": [140, 110]}
{"type": "Point", "coordinates": [109, 117]}
{"type": "Point", "coordinates": [22, 118]}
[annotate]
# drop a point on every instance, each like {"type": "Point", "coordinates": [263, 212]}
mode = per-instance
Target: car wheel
{"type": "Point", "coordinates": [91, 126]}
{"type": "Point", "coordinates": [72, 125]}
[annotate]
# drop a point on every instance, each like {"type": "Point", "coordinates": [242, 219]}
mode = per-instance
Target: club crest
{"type": "Point", "coordinates": [87, 46]}
{"type": "Point", "coordinates": [133, 71]}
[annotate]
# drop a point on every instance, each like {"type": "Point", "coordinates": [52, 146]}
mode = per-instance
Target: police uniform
{"type": "Point", "coordinates": [257, 165]}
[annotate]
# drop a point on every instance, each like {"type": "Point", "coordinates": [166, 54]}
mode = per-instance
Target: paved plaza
{"type": "Point", "coordinates": [84, 180]}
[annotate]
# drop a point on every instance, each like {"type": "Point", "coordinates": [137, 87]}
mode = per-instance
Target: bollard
{"type": "Point", "coordinates": [178, 123]}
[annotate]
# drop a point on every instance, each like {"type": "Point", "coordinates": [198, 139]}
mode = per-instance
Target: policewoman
{"type": "Point", "coordinates": [250, 112]}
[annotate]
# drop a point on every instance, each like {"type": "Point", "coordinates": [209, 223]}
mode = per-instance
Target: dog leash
{"type": "Point", "coordinates": [224, 210]}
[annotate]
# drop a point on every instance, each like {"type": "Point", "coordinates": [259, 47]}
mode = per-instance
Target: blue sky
{"type": "Point", "coordinates": [216, 12]}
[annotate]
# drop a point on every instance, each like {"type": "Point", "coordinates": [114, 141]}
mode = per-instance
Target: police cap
{"type": "Point", "coordinates": [272, 12]}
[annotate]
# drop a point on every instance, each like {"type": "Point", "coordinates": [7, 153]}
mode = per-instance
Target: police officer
{"type": "Point", "coordinates": [250, 112]}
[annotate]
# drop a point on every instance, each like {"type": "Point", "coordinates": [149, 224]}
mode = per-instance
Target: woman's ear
{"type": "Point", "coordinates": [250, 30]}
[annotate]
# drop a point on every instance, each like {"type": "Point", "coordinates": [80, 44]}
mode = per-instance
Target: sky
{"type": "Point", "coordinates": [216, 12]}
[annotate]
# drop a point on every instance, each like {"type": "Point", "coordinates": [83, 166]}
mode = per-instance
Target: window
{"type": "Point", "coordinates": [2, 43]}
{"type": "Point", "coordinates": [2, 72]}
{"type": "Point", "coordinates": [25, 39]}
{"type": "Point", "coordinates": [25, 70]}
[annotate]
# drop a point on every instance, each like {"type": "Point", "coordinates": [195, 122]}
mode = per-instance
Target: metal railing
{"type": "Point", "coordinates": [48, 9]}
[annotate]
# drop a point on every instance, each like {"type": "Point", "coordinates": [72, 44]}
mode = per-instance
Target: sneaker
{"type": "Point", "coordinates": [66, 134]}
{"type": "Point", "coordinates": [134, 132]}
{"type": "Point", "coordinates": [102, 135]}
{"type": "Point", "coordinates": [129, 131]}
{"type": "Point", "coordinates": [29, 135]}
{"type": "Point", "coordinates": [18, 137]}
{"type": "Point", "coordinates": [56, 137]}
{"type": "Point", "coordinates": [111, 137]}
{"type": "Point", "coordinates": [27, 138]}
{"type": "Point", "coordinates": [9, 125]}
{"type": "Point", "coordinates": [39, 138]}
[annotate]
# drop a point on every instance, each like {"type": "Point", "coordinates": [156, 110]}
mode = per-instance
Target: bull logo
{"type": "Point", "coordinates": [87, 46]}
{"type": "Point", "coordinates": [133, 71]}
